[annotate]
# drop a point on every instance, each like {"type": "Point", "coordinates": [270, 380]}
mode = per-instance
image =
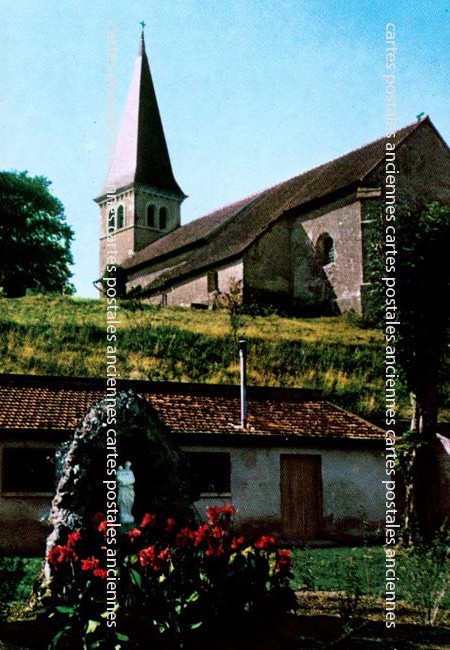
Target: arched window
{"type": "Point", "coordinates": [111, 220]}
{"type": "Point", "coordinates": [162, 218]}
{"type": "Point", "coordinates": [325, 249]}
{"type": "Point", "coordinates": [120, 217]}
{"type": "Point", "coordinates": [151, 216]}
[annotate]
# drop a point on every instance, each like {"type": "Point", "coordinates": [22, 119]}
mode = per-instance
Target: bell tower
{"type": "Point", "coordinates": [140, 201]}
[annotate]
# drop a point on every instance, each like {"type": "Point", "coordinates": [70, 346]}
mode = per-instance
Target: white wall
{"type": "Point", "coordinates": [351, 484]}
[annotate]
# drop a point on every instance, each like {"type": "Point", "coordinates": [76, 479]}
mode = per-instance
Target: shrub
{"type": "Point", "coordinates": [166, 581]}
{"type": "Point", "coordinates": [425, 574]}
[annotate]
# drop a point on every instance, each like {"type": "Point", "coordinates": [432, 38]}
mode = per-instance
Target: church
{"type": "Point", "coordinates": [299, 245]}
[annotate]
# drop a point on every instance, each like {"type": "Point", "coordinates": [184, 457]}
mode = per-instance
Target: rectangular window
{"type": "Point", "coordinates": [28, 469]}
{"type": "Point", "coordinates": [213, 281]}
{"type": "Point", "coordinates": [211, 471]}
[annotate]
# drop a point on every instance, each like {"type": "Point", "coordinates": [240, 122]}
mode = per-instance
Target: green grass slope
{"type": "Point", "coordinates": [67, 336]}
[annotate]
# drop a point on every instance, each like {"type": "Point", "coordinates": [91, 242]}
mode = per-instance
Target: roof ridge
{"type": "Point", "coordinates": [83, 383]}
{"type": "Point", "coordinates": [408, 129]}
{"type": "Point", "coordinates": [253, 215]}
{"type": "Point", "coordinates": [348, 153]}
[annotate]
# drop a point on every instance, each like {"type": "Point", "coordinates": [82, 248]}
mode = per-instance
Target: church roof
{"type": "Point", "coordinates": [141, 154]}
{"type": "Point", "coordinates": [228, 232]}
{"type": "Point", "coordinates": [191, 411]}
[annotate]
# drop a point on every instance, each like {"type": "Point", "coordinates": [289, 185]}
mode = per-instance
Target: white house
{"type": "Point", "coordinates": [300, 468]}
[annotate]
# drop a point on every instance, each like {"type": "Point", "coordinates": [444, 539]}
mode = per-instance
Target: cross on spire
{"type": "Point", "coordinates": [142, 24]}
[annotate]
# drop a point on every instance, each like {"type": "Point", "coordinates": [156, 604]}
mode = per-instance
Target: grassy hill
{"type": "Point", "coordinates": [67, 336]}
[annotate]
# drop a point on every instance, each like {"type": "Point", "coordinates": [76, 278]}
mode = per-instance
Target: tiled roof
{"type": "Point", "coordinates": [192, 233]}
{"type": "Point", "coordinates": [227, 233]}
{"type": "Point", "coordinates": [30, 403]}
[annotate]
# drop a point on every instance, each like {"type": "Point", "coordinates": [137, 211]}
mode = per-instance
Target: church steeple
{"type": "Point", "coordinates": [141, 154]}
{"type": "Point", "coordinates": [141, 198]}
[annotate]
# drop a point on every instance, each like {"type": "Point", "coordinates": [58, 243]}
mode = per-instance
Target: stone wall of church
{"type": "Point", "coordinates": [146, 234]}
{"type": "Point", "coordinates": [343, 276]}
{"type": "Point", "coordinates": [135, 233]}
{"type": "Point", "coordinates": [267, 267]}
{"type": "Point", "coordinates": [203, 290]}
{"type": "Point", "coordinates": [423, 164]}
{"type": "Point", "coordinates": [123, 237]}
{"type": "Point", "coordinates": [283, 268]}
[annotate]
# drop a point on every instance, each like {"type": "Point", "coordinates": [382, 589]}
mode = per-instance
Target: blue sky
{"type": "Point", "coordinates": [251, 92]}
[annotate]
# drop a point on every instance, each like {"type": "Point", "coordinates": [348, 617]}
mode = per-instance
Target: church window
{"type": "Point", "coordinates": [162, 218]}
{"type": "Point", "coordinates": [151, 216]}
{"type": "Point", "coordinates": [120, 217]}
{"type": "Point", "coordinates": [111, 220]}
{"type": "Point", "coordinates": [325, 249]}
{"type": "Point", "coordinates": [213, 281]}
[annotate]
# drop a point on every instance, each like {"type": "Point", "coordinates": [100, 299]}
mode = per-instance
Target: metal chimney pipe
{"type": "Point", "coordinates": [243, 386]}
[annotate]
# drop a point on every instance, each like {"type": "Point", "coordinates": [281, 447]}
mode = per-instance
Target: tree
{"type": "Point", "coordinates": [417, 237]}
{"type": "Point", "coordinates": [34, 237]}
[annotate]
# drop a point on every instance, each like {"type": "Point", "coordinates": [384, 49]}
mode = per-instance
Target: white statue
{"type": "Point", "coordinates": [125, 480]}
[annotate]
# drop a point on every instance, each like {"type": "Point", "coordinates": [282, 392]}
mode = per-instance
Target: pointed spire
{"type": "Point", "coordinates": [141, 154]}
{"type": "Point", "coordinates": [142, 44]}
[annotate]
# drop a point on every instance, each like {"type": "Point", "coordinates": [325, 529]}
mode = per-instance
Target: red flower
{"type": "Point", "coordinates": [237, 543]}
{"type": "Point", "coordinates": [202, 535]}
{"type": "Point", "coordinates": [100, 573]}
{"type": "Point", "coordinates": [215, 550]}
{"type": "Point", "coordinates": [103, 525]}
{"type": "Point", "coordinates": [90, 564]}
{"type": "Point", "coordinates": [134, 533]}
{"type": "Point", "coordinates": [171, 524]}
{"type": "Point", "coordinates": [73, 539]}
{"type": "Point", "coordinates": [164, 555]}
{"type": "Point", "coordinates": [213, 514]}
{"type": "Point", "coordinates": [97, 518]}
{"type": "Point", "coordinates": [149, 557]}
{"type": "Point", "coordinates": [220, 514]}
{"type": "Point", "coordinates": [184, 537]}
{"type": "Point", "coordinates": [228, 510]}
{"type": "Point", "coordinates": [61, 555]}
{"type": "Point", "coordinates": [265, 543]}
{"type": "Point", "coordinates": [148, 520]}
{"type": "Point", "coordinates": [283, 560]}
{"type": "Point", "coordinates": [218, 532]}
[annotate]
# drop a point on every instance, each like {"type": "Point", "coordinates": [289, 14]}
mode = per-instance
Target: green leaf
{"type": "Point", "coordinates": [193, 597]}
{"type": "Point", "coordinates": [64, 609]}
{"type": "Point", "coordinates": [194, 626]}
{"type": "Point", "coordinates": [92, 626]}
{"type": "Point", "coordinates": [136, 578]}
{"type": "Point", "coordinates": [61, 634]}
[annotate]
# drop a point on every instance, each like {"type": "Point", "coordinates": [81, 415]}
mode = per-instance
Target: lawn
{"type": "Point", "coordinates": [362, 569]}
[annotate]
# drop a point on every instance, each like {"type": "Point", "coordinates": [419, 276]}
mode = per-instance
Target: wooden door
{"type": "Point", "coordinates": [301, 496]}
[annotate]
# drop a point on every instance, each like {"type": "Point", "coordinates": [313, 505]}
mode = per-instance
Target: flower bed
{"type": "Point", "coordinates": [163, 581]}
